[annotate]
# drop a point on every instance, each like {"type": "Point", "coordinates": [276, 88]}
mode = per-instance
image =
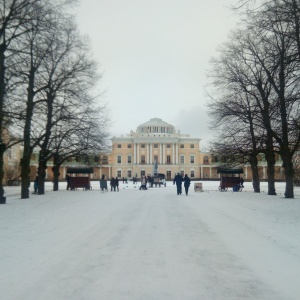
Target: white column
{"type": "Point", "coordinates": [151, 145]}
{"type": "Point", "coordinates": [138, 154]}
{"type": "Point", "coordinates": [160, 152]}
{"type": "Point", "coordinates": [134, 153]}
{"type": "Point", "coordinates": [173, 154]}
{"type": "Point", "coordinates": [246, 173]}
{"type": "Point", "coordinates": [164, 153]}
{"type": "Point", "coordinates": [147, 154]}
{"type": "Point", "coordinates": [176, 155]}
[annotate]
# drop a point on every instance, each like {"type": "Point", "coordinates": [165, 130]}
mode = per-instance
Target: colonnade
{"type": "Point", "coordinates": [149, 159]}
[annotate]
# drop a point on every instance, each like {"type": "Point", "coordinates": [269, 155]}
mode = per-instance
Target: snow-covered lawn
{"type": "Point", "coordinates": [150, 244]}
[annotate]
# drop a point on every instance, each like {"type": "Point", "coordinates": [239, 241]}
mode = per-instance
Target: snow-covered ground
{"type": "Point", "coordinates": [150, 244]}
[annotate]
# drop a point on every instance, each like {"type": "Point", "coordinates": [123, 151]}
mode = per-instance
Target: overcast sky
{"type": "Point", "coordinates": [154, 56]}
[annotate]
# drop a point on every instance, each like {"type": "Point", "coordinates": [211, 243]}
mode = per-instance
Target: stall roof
{"type": "Point", "coordinates": [230, 171]}
{"type": "Point", "coordinates": [80, 170]}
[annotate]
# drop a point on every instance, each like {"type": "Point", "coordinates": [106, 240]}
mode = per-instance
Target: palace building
{"type": "Point", "coordinates": [134, 155]}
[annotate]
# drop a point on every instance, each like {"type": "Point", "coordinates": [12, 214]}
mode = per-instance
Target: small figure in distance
{"type": "Point", "coordinates": [112, 184]}
{"type": "Point", "coordinates": [68, 181]}
{"type": "Point", "coordinates": [36, 185]}
{"type": "Point", "coordinates": [103, 184]}
{"type": "Point", "coordinates": [117, 183]}
{"type": "Point", "coordinates": [143, 183]}
{"type": "Point", "coordinates": [187, 182]}
{"type": "Point", "coordinates": [242, 182]}
{"type": "Point", "coordinates": [178, 181]}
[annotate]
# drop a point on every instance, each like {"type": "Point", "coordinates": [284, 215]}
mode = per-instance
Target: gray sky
{"type": "Point", "coordinates": [154, 57]}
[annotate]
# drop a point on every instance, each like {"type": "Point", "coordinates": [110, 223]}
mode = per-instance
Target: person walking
{"type": "Point", "coordinates": [112, 184]}
{"type": "Point", "coordinates": [68, 181]}
{"type": "Point", "coordinates": [143, 183]}
{"type": "Point", "coordinates": [103, 184]}
{"type": "Point", "coordinates": [36, 185]}
{"type": "Point", "coordinates": [117, 183]}
{"type": "Point", "coordinates": [242, 182]}
{"type": "Point", "coordinates": [178, 181]}
{"type": "Point", "coordinates": [187, 182]}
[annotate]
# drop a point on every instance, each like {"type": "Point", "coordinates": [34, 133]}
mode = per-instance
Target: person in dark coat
{"type": "Point", "coordinates": [36, 185]}
{"type": "Point", "coordinates": [187, 182]}
{"type": "Point", "coordinates": [242, 182]}
{"type": "Point", "coordinates": [112, 184]}
{"type": "Point", "coordinates": [178, 181]}
{"type": "Point", "coordinates": [68, 181]}
{"type": "Point", "coordinates": [103, 184]}
{"type": "Point", "coordinates": [117, 183]}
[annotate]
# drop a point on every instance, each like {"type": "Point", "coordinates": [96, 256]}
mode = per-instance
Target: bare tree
{"type": "Point", "coordinates": [70, 76]}
{"type": "Point", "coordinates": [34, 50]}
{"type": "Point", "coordinates": [86, 137]}
{"type": "Point", "coordinates": [277, 26]}
{"type": "Point", "coordinates": [241, 93]}
{"type": "Point", "coordinates": [15, 16]}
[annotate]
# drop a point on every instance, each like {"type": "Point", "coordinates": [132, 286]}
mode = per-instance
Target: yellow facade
{"type": "Point", "coordinates": [134, 155]}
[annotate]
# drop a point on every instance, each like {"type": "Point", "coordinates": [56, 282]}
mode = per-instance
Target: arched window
{"type": "Point", "coordinates": [205, 160]}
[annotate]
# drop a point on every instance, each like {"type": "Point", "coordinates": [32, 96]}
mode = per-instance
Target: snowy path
{"type": "Point", "coordinates": [151, 244]}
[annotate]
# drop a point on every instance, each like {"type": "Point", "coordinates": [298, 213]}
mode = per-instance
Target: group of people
{"type": "Point", "coordinates": [178, 181]}
{"type": "Point", "coordinates": [114, 184]}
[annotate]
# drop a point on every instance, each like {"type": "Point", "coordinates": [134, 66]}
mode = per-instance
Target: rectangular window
{"type": "Point", "coordinates": [129, 174]}
{"type": "Point", "coordinates": [192, 159]}
{"type": "Point", "coordinates": [104, 160]}
{"type": "Point", "coordinates": [169, 175]}
{"type": "Point", "coordinates": [168, 145]}
{"type": "Point", "coordinates": [181, 145]}
{"type": "Point", "coordinates": [119, 174]}
{"type": "Point", "coordinates": [119, 159]}
{"type": "Point", "coordinates": [192, 174]}
{"type": "Point", "coordinates": [181, 159]}
{"type": "Point", "coordinates": [168, 159]}
{"type": "Point", "coordinates": [155, 158]}
{"type": "Point", "coordinates": [142, 145]}
{"type": "Point", "coordinates": [119, 146]}
{"type": "Point", "coordinates": [129, 146]}
{"type": "Point", "coordinates": [129, 159]}
{"type": "Point", "coordinates": [192, 146]}
{"type": "Point", "coordinates": [143, 159]}
{"type": "Point", "coordinates": [155, 145]}
{"type": "Point", "coordinates": [143, 173]}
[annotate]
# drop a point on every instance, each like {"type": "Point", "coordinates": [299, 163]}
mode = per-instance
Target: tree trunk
{"type": "Point", "coordinates": [2, 144]}
{"type": "Point", "coordinates": [270, 157]}
{"type": "Point", "coordinates": [25, 161]}
{"type": "Point", "coordinates": [289, 175]}
{"type": "Point", "coordinates": [42, 173]}
{"type": "Point", "coordinates": [255, 174]}
{"type": "Point", "coordinates": [2, 149]}
{"type": "Point", "coordinates": [25, 177]}
{"type": "Point", "coordinates": [56, 174]}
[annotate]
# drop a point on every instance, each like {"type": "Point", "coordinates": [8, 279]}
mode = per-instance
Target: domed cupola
{"type": "Point", "coordinates": [156, 125]}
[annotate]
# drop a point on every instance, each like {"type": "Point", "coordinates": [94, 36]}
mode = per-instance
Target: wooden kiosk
{"type": "Point", "coordinates": [79, 178]}
{"type": "Point", "coordinates": [230, 178]}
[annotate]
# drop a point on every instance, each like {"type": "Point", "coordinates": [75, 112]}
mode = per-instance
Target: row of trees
{"type": "Point", "coordinates": [48, 96]}
{"type": "Point", "coordinates": [255, 90]}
